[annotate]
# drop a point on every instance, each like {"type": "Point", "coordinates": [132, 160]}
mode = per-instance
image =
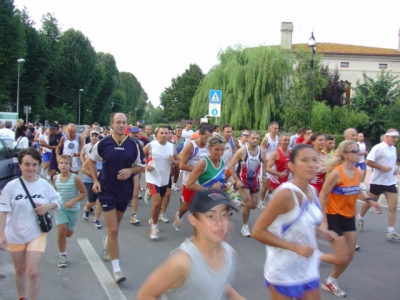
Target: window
{"type": "Point", "coordinates": [383, 66]}
{"type": "Point", "coordinates": [344, 64]}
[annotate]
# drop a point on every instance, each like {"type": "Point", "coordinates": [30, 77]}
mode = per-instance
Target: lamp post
{"type": "Point", "coordinates": [79, 117]}
{"type": "Point", "coordinates": [20, 60]}
{"type": "Point", "coordinates": [311, 44]}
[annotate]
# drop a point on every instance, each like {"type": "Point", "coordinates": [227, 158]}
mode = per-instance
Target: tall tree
{"type": "Point", "coordinates": [333, 94]}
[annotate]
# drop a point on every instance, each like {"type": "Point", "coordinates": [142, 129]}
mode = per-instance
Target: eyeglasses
{"type": "Point", "coordinates": [354, 151]}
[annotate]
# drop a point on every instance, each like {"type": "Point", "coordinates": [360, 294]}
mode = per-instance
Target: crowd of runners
{"type": "Point", "coordinates": [303, 184]}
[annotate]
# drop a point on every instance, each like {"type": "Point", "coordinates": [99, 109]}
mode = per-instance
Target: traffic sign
{"type": "Point", "coordinates": [214, 110]}
{"type": "Point", "coordinates": [215, 96]}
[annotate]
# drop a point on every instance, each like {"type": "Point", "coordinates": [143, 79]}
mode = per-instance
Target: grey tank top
{"type": "Point", "coordinates": [202, 282]}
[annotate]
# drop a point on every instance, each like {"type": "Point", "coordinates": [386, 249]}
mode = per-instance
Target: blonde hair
{"type": "Point", "coordinates": [214, 140]}
{"type": "Point", "coordinates": [337, 159]}
{"type": "Point", "coordinates": [66, 157]}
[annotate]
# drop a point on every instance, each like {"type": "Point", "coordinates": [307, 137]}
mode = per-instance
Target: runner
{"type": "Point", "coordinates": [122, 157]}
{"type": "Point", "coordinates": [203, 266]}
{"type": "Point", "coordinates": [55, 137]}
{"type": "Point", "coordinates": [161, 156]}
{"type": "Point", "coordinates": [350, 134]}
{"type": "Point", "coordinates": [147, 133]}
{"type": "Point", "coordinates": [383, 158]}
{"type": "Point", "coordinates": [305, 137]}
{"type": "Point", "coordinates": [244, 138]}
{"type": "Point", "coordinates": [318, 143]}
{"type": "Point", "coordinates": [248, 160]}
{"type": "Point", "coordinates": [231, 145]}
{"type": "Point", "coordinates": [278, 162]}
{"type": "Point", "coordinates": [70, 145]}
{"type": "Point", "coordinates": [363, 152]}
{"type": "Point", "coordinates": [330, 144]}
{"type": "Point", "coordinates": [179, 143]}
{"type": "Point", "coordinates": [294, 137]}
{"type": "Point", "coordinates": [46, 155]}
{"type": "Point", "coordinates": [269, 143]}
{"type": "Point", "coordinates": [215, 129]}
{"type": "Point", "coordinates": [72, 191]}
{"type": "Point", "coordinates": [190, 156]}
{"type": "Point", "coordinates": [187, 132]}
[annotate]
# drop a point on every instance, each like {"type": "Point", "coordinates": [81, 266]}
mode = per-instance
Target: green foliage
{"type": "Point", "coordinates": [377, 98]}
{"type": "Point", "coordinates": [63, 114]}
{"type": "Point", "coordinates": [252, 82]}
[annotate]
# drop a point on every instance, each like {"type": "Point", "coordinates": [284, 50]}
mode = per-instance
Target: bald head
{"type": "Point", "coordinates": [350, 134]}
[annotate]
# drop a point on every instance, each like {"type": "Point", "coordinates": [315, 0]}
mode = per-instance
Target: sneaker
{"type": "Point", "coordinates": [147, 197]}
{"type": "Point", "coordinates": [153, 232]}
{"type": "Point", "coordinates": [119, 277]}
{"type": "Point", "coordinates": [140, 197]}
{"type": "Point", "coordinates": [393, 235]}
{"type": "Point", "coordinates": [134, 220]}
{"type": "Point", "coordinates": [177, 222]}
{"type": "Point", "coordinates": [374, 211]}
{"type": "Point", "coordinates": [96, 224]}
{"type": "Point", "coordinates": [175, 187]}
{"type": "Point", "coordinates": [151, 224]}
{"type": "Point", "coordinates": [333, 288]}
{"type": "Point", "coordinates": [163, 218]}
{"type": "Point", "coordinates": [238, 206]}
{"type": "Point", "coordinates": [360, 223]}
{"type": "Point", "coordinates": [245, 230]}
{"type": "Point", "coordinates": [91, 210]}
{"type": "Point", "coordinates": [85, 214]}
{"type": "Point", "coordinates": [261, 206]}
{"type": "Point", "coordinates": [62, 261]}
{"type": "Point", "coordinates": [106, 254]}
{"type": "Point", "coordinates": [357, 247]}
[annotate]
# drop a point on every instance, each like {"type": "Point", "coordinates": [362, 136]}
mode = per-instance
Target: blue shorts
{"type": "Point", "coordinates": [295, 291]}
{"type": "Point", "coordinates": [252, 185]}
{"type": "Point", "coordinates": [108, 204]}
{"type": "Point", "coordinates": [362, 166]}
{"type": "Point", "coordinates": [46, 156]}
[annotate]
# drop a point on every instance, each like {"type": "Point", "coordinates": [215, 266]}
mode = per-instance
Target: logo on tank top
{"type": "Point", "coordinates": [71, 146]}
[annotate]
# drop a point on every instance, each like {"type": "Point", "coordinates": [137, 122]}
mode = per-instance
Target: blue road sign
{"type": "Point", "coordinates": [214, 112]}
{"type": "Point", "coordinates": [215, 96]}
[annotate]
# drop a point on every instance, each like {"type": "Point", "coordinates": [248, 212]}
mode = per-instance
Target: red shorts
{"type": "Point", "coordinates": [187, 195]}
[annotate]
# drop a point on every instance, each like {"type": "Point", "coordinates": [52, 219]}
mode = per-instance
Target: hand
{"type": "Point", "coordinates": [41, 209]}
{"type": "Point", "coordinates": [96, 187]}
{"type": "Point", "coordinates": [282, 174]}
{"type": "Point", "coordinates": [124, 174]}
{"type": "Point", "coordinates": [149, 168]}
{"type": "Point", "coordinates": [68, 204]}
{"type": "Point", "coordinates": [386, 169]}
{"type": "Point", "coordinates": [304, 250]}
{"type": "Point", "coordinates": [171, 159]}
{"type": "Point", "coordinates": [3, 243]}
{"type": "Point", "coordinates": [328, 235]}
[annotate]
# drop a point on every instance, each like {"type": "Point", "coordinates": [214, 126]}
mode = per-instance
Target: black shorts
{"type": "Point", "coordinates": [91, 196]}
{"type": "Point", "coordinates": [378, 189]}
{"type": "Point", "coordinates": [169, 183]}
{"type": "Point", "coordinates": [340, 224]}
{"type": "Point", "coordinates": [53, 163]}
{"type": "Point", "coordinates": [108, 204]}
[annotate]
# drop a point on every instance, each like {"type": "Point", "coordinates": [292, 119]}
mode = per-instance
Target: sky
{"type": "Point", "coordinates": [157, 40]}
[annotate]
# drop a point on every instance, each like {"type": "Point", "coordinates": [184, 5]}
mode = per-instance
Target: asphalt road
{"type": "Point", "coordinates": [373, 274]}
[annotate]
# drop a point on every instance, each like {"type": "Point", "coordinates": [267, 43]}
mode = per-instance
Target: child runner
{"type": "Point", "coordinates": [203, 266]}
{"type": "Point", "coordinates": [71, 189]}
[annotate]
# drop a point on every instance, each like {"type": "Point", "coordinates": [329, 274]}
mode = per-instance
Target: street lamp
{"type": "Point", "coordinates": [312, 45]}
{"type": "Point", "coordinates": [79, 117]}
{"type": "Point", "coordinates": [20, 60]}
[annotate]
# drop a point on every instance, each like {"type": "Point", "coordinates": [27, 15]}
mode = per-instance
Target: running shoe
{"type": "Point", "coordinates": [62, 261]}
{"type": "Point", "coordinates": [261, 206]}
{"type": "Point", "coordinates": [96, 224]}
{"type": "Point", "coordinates": [134, 220]}
{"type": "Point", "coordinates": [333, 288]}
{"type": "Point", "coordinates": [119, 277]}
{"type": "Point", "coordinates": [153, 231]}
{"type": "Point", "coordinates": [393, 235]}
{"type": "Point", "coordinates": [140, 197]}
{"type": "Point", "coordinates": [147, 197]}
{"type": "Point", "coordinates": [175, 187]}
{"type": "Point", "coordinates": [374, 211]}
{"type": "Point", "coordinates": [177, 222]}
{"type": "Point", "coordinates": [238, 206]}
{"type": "Point", "coordinates": [245, 230]}
{"type": "Point", "coordinates": [163, 218]}
{"type": "Point", "coordinates": [85, 214]}
{"type": "Point", "coordinates": [91, 209]}
{"type": "Point", "coordinates": [357, 247]}
{"type": "Point", "coordinates": [106, 254]}
{"type": "Point", "coordinates": [360, 223]}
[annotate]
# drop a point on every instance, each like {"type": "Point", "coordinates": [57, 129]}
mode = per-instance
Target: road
{"type": "Point", "coordinates": [373, 274]}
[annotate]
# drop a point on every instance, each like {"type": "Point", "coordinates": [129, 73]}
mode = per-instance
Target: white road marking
{"type": "Point", "coordinates": [103, 275]}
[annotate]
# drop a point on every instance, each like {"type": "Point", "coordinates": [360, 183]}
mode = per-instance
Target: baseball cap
{"type": "Point", "coordinates": [94, 131]}
{"type": "Point", "coordinates": [206, 200]}
{"type": "Point", "coordinates": [134, 129]}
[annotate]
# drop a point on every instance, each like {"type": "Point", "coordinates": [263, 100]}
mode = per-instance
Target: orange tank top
{"type": "Point", "coordinates": [342, 199]}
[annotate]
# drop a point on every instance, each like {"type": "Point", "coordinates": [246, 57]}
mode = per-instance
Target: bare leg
{"type": "Point", "coordinates": [392, 208]}
{"type": "Point", "coordinates": [156, 207]}
{"type": "Point", "coordinates": [98, 210]}
{"type": "Point", "coordinates": [165, 201]}
{"type": "Point", "coordinates": [34, 259]}
{"type": "Point", "coordinates": [183, 209]}
{"type": "Point", "coordinates": [113, 218]}
{"type": "Point", "coordinates": [135, 198]}
{"type": "Point", "coordinates": [249, 202]}
{"type": "Point", "coordinates": [62, 237]}
{"type": "Point", "coordinates": [20, 265]}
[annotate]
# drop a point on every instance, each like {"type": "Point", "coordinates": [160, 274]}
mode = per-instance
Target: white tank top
{"type": "Point", "coordinates": [271, 145]}
{"type": "Point", "coordinates": [71, 147]}
{"type": "Point", "coordinates": [159, 159]}
{"type": "Point", "coordinates": [228, 152]}
{"type": "Point", "coordinates": [250, 166]}
{"type": "Point", "coordinates": [198, 153]}
{"type": "Point", "coordinates": [285, 267]}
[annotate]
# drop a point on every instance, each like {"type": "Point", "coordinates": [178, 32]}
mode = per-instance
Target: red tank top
{"type": "Point", "coordinates": [319, 179]}
{"type": "Point", "coordinates": [281, 165]}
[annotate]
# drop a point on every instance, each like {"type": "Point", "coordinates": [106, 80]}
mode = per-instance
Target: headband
{"type": "Point", "coordinates": [394, 133]}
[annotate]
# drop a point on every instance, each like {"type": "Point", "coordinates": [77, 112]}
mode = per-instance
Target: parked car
{"type": "Point", "coordinates": [8, 169]}
{"type": "Point", "coordinates": [80, 129]}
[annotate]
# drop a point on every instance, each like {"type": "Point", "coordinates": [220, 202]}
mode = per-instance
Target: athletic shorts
{"type": "Point", "coordinates": [91, 196]}
{"type": "Point", "coordinates": [340, 224]}
{"type": "Point", "coordinates": [37, 244]}
{"type": "Point", "coordinates": [66, 216]}
{"type": "Point", "coordinates": [252, 185]}
{"type": "Point", "coordinates": [187, 195]}
{"type": "Point", "coordinates": [53, 163]}
{"type": "Point", "coordinates": [378, 189]}
{"type": "Point", "coordinates": [169, 183]}
{"type": "Point", "coordinates": [46, 156]}
{"type": "Point", "coordinates": [155, 189]}
{"type": "Point", "coordinates": [362, 166]}
{"type": "Point", "coordinates": [294, 291]}
{"type": "Point", "coordinates": [108, 204]}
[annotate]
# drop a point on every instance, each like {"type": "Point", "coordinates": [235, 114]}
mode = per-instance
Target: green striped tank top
{"type": "Point", "coordinates": [67, 191]}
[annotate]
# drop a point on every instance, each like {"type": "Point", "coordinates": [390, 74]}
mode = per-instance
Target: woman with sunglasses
{"type": "Point", "coordinates": [338, 200]}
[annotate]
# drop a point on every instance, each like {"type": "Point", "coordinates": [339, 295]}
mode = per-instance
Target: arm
{"type": "Point", "coordinates": [80, 196]}
{"type": "Point", "coordinates": [194, 175]}
{"type": "Point", "coordinates": [82, 157]}
{"type": "Point", "coordinates": [377, 166]}
{"type": "Point", "coordinates": [60, 144]}
{"type": "Point", "coordinates": [232, 294]}
{"type": "Point", "coordinates": [171, 274]}
{"type": "Point", "coordinates": [3, 241]}
{"type": "Point", "coordinates": [235, 159]}
{"type": "Point", "coordinates": [187, 151]}
{"type": "Point", "coordinates": [264, 142]}
{"type": "Point", "coordinates": [329, 184]}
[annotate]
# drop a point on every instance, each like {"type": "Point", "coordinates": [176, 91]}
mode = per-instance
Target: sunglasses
{"type": "Point", "coordinates": [353, 151]}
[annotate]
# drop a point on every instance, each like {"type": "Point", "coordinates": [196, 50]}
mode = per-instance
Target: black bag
{"type": "Point", "coordinates": [45, 220]}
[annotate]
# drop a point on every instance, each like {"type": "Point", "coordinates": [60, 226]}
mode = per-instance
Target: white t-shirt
{"type": "Point", "coordinates": [186, 134]}
{"type": "Point", "coordinates": [22, 222]}
{"type": "Point", "coordinates": [7, 132]}
{"type": "Point", "coordinates": [159, 159]}
{"type": "Point", "coordinates": [385, 155]}
{"type": "Point", "coordinates": [362, 147]}
{"type": "Point", "coordinates": [22, 143]}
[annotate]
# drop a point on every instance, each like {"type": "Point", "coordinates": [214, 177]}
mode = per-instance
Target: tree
{"type": "Point", "coordinates": [376, 99]}
{"type": "Point", "coordinates": [176, 99]}
{"type": "Point", "coordinates": [332, 95]}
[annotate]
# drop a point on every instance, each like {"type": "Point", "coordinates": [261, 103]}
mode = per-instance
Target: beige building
{"type": "Point", "coordinates": [351, 60]}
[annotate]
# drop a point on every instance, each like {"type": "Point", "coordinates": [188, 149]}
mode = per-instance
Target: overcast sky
{"type": "Point", "coordinates": [157, 40]}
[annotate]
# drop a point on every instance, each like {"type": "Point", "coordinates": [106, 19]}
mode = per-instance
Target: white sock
{"type": "Point", "coordinates": [330, 279]}
{"type": "Point", "coordinates": [115, 265]}
{"type": "Point", "coordinates": [359, 217]}
{"type": "Point", "coordinates": [63, 253]}
{"type": "Point", "coordinates": [390, 229]}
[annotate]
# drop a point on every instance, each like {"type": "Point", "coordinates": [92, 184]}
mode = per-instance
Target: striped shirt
{"type": "Point", "coordinates": [67, 190]}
